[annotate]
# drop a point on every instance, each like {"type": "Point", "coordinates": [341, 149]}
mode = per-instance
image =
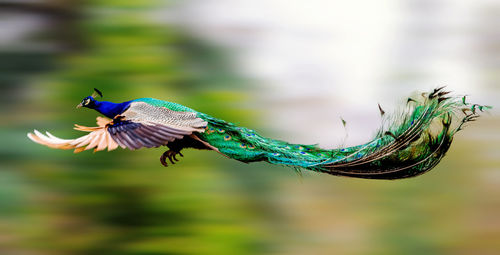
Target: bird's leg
{"type": "Point", "coordinates": [171, 155]}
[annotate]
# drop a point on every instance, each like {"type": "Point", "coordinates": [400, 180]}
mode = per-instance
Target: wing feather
{"type": "Point", "coordinates": [140, 140]}
{"type": "Point", "coordinates": [112, 144]}
{"type": "Point", "coordinates": [141, 125]}
{"type": "Point", "coordinates": [155, 136]}
{"type": "Point", "coordinates": [123, 138]}
{"type": "Point", "coordinates": [85, 141]}
{"type": "Point", "coordinates": [120, 142]}
{"type": "Point", "coordinates": [141, 112]}
{"type": "Point", "coordinates": [144, 125]}
{"type": "Point", "coordinates": [102, 142]}
{"type": "Point", "coordinates": [97, 138]}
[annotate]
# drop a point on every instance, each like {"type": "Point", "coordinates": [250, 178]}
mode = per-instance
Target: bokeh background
{"type": "Point", "coordinates": [288, 68]}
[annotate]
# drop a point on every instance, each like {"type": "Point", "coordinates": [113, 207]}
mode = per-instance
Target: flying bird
{"type": "Point", "coordinates": [408, 144]}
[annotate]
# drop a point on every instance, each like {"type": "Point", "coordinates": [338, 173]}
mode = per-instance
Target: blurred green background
{"type": "Point", "coordinates": [54, 202]}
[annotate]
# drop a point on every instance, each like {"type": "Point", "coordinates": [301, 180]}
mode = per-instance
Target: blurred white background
{"type": "Point", "coordinates": [317, 60]}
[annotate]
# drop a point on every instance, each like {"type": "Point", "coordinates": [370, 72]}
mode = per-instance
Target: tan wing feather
{"type": "Point", "coordinates": [95, 140]}
{"type": "Point", "coordinates": [103, 143]}
{"type": "Point", "coordinates": [98, 138]}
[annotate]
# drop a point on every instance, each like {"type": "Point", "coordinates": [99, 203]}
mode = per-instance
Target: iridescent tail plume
{"type": "Point", "coordinates": [408, 144]}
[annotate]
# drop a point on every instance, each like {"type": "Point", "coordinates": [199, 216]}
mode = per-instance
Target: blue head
{"type": "Point", "coordinates": [90, 102]}
{"type": "Point", "coordinates": [109, 109]}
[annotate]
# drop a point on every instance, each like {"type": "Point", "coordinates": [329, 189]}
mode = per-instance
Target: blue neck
{"type": "Point", "coordinates": [110, 109]}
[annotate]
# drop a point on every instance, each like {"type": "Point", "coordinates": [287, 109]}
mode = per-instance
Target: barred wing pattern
{"type": "Point", "coordinates": [140, 126]}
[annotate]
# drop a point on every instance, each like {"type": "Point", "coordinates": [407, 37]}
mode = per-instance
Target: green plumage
{"type": "Point", "coordinates": [160, 103]}
{"type": "Point", "coordinates": [408, 144]}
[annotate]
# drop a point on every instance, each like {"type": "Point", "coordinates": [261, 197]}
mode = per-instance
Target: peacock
{"type": "Point", "coordinates": [409, 142]}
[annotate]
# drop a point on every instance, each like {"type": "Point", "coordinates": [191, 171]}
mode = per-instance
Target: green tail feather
{"type": "Point", "coordinates": [408, 144]}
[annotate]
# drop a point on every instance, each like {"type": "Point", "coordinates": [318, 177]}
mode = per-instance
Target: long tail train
{"type": "Point", "coordinates": [408, 144]}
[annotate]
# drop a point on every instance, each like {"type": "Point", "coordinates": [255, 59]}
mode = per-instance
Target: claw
{"type": "Point", "coordinates": [163, 158]}
{"type": "Point", "coordinates": [171, 155]}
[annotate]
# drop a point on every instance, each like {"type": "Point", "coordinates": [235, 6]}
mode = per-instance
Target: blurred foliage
{"type": "Point", "coordinates": [122, 202]}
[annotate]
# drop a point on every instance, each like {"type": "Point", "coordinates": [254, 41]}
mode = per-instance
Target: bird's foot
{"type": "Point", "coordinates": [171, 155]}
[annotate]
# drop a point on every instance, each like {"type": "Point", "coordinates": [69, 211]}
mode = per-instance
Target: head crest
{"type": "Point", "coordinates": [96, 93]}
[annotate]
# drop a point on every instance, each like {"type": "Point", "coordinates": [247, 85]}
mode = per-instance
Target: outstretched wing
{"type": "Point", "coordinates": [141, 125]}
{"type": "Point", "coordinates": [98, 138]}
{"type": "Point", "coordinates": [144, 125]}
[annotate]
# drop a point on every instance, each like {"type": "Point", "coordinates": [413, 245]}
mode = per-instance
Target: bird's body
{"type": "Point", "coordinates": [110, 109]}
{"type": "Point", "coordinates": [407, 145]}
